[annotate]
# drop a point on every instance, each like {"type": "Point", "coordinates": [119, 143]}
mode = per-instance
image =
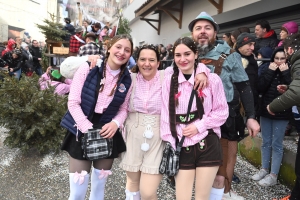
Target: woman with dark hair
{"type": "Point", "coordinates": [272, 126]}
{"type": "Point", "coordinates": [227, 38]}
{"type": "Point", "coordinates": [201, 153]}
{"type": "Point", "coordinates": [144, 145]}
{"type": "Point", "coordinates": [90, 108]}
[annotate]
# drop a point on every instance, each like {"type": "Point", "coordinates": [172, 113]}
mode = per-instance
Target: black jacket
{"type": "Point", "coordinates": [267, 85]}
{"type": "Point", "coordinates": [36, 53]}
{"type": "Point", "coordinates": [15, 63]}
{"type": "Point", "coordinates": [270, 41]}
{"type": "Point", "coordinates": [252, 72]}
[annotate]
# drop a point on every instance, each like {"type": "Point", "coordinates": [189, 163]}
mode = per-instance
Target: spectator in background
{"type": "Point", "coordinates": [13, 61]}
{"type": "Point", "coordinates": [96, 29]}
{"type": "Point", "coordinates": [103, 33]}
{"type": "Point", "coordinates": [135, 52]}
{"type": "Point", "coordinates": [55, 79]}
{"type": "Point", "coordinates": [131, 63]}
{"type": "Point", "coordinates": [290, 97]}
{"type": "Point", "coordinates": [41, 45]}
{"type": "Point", "coordinates": [37, 57]}
{"type": "Point", "coordinates": [10, 46]}
{"type": "Point", "coordinates": [18, 43]}
{"type": "Point", "coordinates": [163, 53]}
{"type": "Point", "coordinates": [85, 24]}
{"type": "Point", "coordinates": [236, 33]}
{"type": "Point", "coordinates": [227, 38]}
{"type": "Point", "coordinates": [76, 41]}
{"type": "Point", "coordinates": [2, 47]}
{"type": "Point", "coordinates": [27, 61]}
{"type": "Point", "coordinates": [70, 29]}
{"type": "Point", "coordinates": [28, 42]}
{"type": "Point", "coordinates": [272, 127]}
{"type": "Point", "coordinates": [265, 36]}
{"type": "Point", "coordinates": [159, 47]}
{"type": "Point", "coordinates": [90, 47]}
{"type": "Point", "coordinates": [287, 29]}
{"type": "Point", "coordinates": [266, 53]}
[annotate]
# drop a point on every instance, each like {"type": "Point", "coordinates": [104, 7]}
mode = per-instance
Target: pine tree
{"type": "Point", "coordinates": [31, 115]}
{"type": "Point", "coordinates": [52, 30]}
{"type": "Point", "coordinates": [123, 27]}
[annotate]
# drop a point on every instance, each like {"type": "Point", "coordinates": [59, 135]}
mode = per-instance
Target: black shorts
{"type": "Point", "coordinates": [208, 154]}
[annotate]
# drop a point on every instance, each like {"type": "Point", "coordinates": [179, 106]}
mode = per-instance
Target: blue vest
{"type": "Point", "coordinates": [89, 96]}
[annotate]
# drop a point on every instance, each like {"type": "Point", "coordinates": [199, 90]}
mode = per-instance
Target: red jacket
{"type": "Point", "coordinates": [75, 44]}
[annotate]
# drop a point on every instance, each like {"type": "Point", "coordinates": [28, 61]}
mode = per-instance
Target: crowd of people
{"type": "Point", "coordinates": [242, 82]}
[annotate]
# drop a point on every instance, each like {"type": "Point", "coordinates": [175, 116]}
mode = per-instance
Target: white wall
{"type": "Point", "coordinates": [169, 32]}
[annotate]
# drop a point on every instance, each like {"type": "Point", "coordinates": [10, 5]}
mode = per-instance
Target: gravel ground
{"type": "Point", "coordinates": [46, 177]}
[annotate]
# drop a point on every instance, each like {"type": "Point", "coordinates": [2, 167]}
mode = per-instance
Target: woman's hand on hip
{"type": "Point", "coordinates": [109, 130]}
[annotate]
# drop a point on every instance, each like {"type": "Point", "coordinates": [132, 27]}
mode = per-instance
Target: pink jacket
{"type": "Point", "coordinates": [60, 88]}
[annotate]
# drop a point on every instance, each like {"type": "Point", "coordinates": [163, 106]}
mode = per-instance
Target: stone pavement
{"type": "Point", "coordinates": [45, 177]}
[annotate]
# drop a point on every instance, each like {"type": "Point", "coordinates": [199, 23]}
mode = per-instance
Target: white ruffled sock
{"type": "Point", "coordinates": [78, 185]}
{"type": "Point", "coordinates": [216, 194]}
{"type": "Point", "coordinates": [132, 195]}
{"type": "Point", "coordinates": [98, 181]}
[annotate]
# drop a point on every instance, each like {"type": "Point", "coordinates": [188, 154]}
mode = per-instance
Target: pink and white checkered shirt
{"type": "Point", "coordinates": [215, 108]}
{"type": "Point", "coordinates": [74, 101]}
{"type": "Point", "coordinates": [148, 94]}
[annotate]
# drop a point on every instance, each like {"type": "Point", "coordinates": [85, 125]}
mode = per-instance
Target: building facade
{"type": "Point", "coordinates": [163, 21]}
{"type": "Point", "coordinates": [21, 16]}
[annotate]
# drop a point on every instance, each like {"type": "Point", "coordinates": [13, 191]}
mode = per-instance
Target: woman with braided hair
{"type": "Point", "coordinates": [141, 129]}
{"type": "Point", "coordinates": [105, 107]}
{"type": "Point", "coordinates": [201, 153]}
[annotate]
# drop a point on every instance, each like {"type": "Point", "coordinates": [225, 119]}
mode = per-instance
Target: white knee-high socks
{"type": "Point", "coordinates": [132, 195]}
{"type": "Point", "coordinates": [98, 180]}
{"type": "Point", "coordinates": [216, 194]}
{"type": "Point", "coordinates": [78, 185]}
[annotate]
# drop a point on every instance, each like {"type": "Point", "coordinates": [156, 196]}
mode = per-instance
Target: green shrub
{"type": "Point", "coordinates": [32, 116]}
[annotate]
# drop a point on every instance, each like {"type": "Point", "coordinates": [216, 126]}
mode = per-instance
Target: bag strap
{"type": "Point", "coordinates": [133, 78]}
{"type": "Point", "coordinates": [179, 145]}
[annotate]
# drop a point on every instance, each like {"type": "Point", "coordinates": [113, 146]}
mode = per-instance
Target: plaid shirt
{"type": "Point", "coordinates": [75, 44]}
{"type": "Point", "coordinates": [89, 49]}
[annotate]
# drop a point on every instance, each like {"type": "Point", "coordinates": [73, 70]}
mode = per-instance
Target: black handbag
{"type": "Point", "coordinates": [95, 146]}
{"type": "Point", "coordinates": [169, 164]}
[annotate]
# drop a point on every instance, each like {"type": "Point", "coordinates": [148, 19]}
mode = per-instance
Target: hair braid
{"type": "Point", "coordinates": [104, 74]}
{"type": "Point", "coordinates": [175, 81]}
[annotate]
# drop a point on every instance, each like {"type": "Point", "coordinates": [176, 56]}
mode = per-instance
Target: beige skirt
{"type": "Point", "coordinates": [135, 159]}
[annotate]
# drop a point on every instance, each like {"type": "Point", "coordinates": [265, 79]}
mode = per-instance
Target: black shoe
{"type": "Point", "coordinates": [171, 182]}
{"type": "Point", "coordinates": [235, 179]}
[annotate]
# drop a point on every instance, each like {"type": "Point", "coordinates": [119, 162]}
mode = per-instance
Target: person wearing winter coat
{"type": "Point", "coordinates": [13, 61]}
{"type": "Point", "coordinates": [287, 29]}
{"type": "Point", "coordinates": [265, 36]}
{"type": "Point", "coordinates": [37, 57]}
{"type": "Point", "coordinates": [272, 126]}
{"type": "Point", "coordinates": [264, 53]}
{"type": "Point", "coordinates": [70, 29]}
{"type": "Point", "coordinates": [27, 62]}
{"type": "Point", "coordinates": [10, 46]}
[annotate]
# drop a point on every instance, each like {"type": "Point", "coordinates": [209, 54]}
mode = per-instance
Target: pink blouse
{"type": "Point", "coordinates": [215, 108]}
{"type": "Point", "coordinates": [148, 94]}
{"type": "Point", "coordinates": [74, 101]}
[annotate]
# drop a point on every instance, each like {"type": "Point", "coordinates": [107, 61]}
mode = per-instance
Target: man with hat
{"type": "Point", "coordinates": [245, 47]}
{"type": "Point", "coordinates": [222, 60]}
{"type": "Point", "coordinates": [76, 41]}
{"type": "Point", "coordinates": [71, 30]}
{"type": "Point", "coordinates": [90, 48]}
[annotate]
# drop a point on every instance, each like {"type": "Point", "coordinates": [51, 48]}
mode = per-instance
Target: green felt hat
{"type": "Point", "coordinates": [56, 74]}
